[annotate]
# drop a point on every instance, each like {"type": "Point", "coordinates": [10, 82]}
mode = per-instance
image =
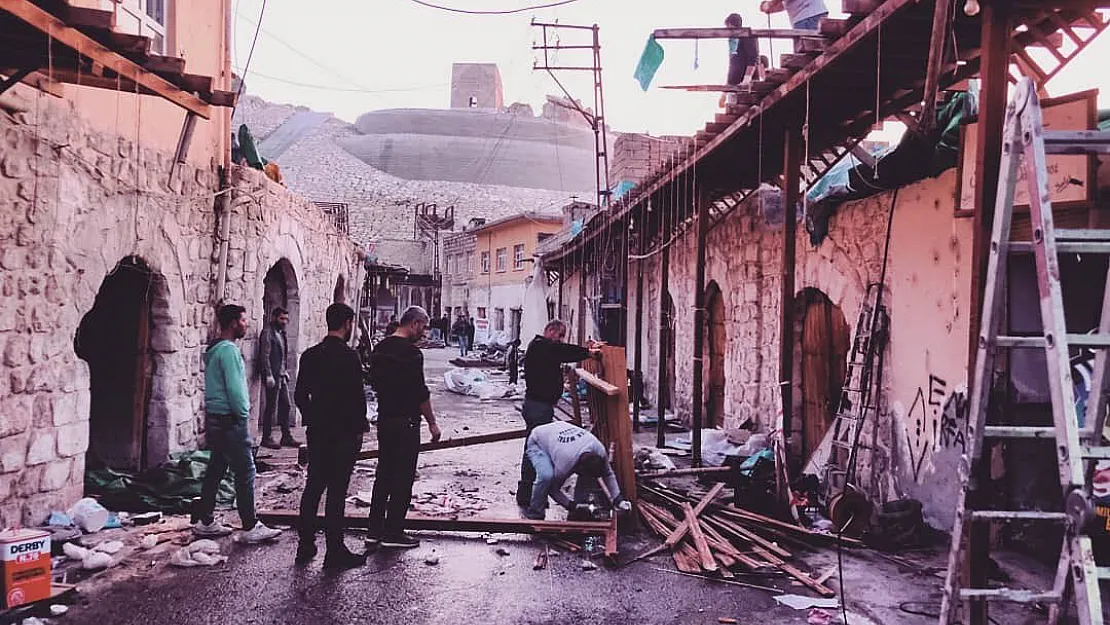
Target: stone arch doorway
{"type": "Point", "coordinates": [824, 339]}
{"type": "Point", "coordinates": [116, 338]}
{"type": "Point", "coordinates": [716, 343]}
{"type": "Point", "coordinates": [339, 296]}
{"type": "Point", "coordinates": [280, 288]}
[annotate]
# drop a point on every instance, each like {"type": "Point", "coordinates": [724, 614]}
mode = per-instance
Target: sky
{"type": "Point", "coordinates": [349, 57]}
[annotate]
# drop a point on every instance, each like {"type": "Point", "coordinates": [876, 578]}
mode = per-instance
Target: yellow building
{"type": "Point", "coordinates": [488, 268]}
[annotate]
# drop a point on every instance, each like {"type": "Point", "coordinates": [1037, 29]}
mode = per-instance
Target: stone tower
{"type": "Point", "coordinates": [476, 85]}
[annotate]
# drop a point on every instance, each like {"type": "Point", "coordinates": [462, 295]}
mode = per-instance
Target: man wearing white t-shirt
{"type": "Point", "coordinates": [804, 14]}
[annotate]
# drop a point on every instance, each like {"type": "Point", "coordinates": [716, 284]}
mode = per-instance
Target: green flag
{"type": "Point", "coordinates": [650, 61]}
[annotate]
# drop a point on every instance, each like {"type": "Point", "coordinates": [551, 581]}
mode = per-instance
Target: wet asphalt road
{"type": "Point", "coordinates": [472, 583]}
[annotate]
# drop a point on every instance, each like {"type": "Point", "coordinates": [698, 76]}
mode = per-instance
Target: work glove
{"type": "Point", "coordinates": [624, 506]}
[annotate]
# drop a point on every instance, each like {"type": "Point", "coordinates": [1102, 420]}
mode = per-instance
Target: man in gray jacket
{"type": "Point", "coordinates": [272, 361]}
{"type": "Point", "coordinates": [558, 449]}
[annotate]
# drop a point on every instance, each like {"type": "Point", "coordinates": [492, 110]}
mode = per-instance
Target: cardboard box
{"type": "Point", "coordinates": [25, 559]}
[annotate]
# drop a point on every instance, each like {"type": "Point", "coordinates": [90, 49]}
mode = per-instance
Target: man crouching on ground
{"type": "Point", "coordinates": [559, 449]}
{"type": "Point", "coordinates": [397, 374]}
{"type": "Point", "coordinates": [333, 402]}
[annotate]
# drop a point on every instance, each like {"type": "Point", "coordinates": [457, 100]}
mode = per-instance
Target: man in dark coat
{"type": "Point", "coordinates": [331, 398]}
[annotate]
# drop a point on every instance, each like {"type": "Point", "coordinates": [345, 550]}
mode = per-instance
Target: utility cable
{"type": "Point", "coordinates": [301, 54]}
{"type": "Point", "coordinates": [341, 89]}
{"type": "Point", "coordinates": [250, 55]}
{"type": "Point", "coordinates": [504, 12]}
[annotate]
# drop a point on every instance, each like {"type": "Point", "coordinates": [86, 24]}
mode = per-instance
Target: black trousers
{"type": "Point", "coordinates": [331, 460]}
{"type": "Point", "coordinates": [399, 445]}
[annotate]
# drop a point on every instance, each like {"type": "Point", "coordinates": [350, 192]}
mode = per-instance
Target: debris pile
{"type": "Point", "coordinates": [477, 384]}
{"type": "Point", "coordinates": [708, 537]}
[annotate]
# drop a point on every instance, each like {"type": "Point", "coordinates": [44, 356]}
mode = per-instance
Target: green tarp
{"type": "Point", "coordinates": [650, 60]}
{"type": "Point", "coordinates": [169, 488]}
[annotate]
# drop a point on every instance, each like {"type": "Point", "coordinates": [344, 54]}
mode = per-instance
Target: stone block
{"type": "Point", "coordinates": [13, 258]}
{"type": "Point", "coordinates": [42, 410]}
{"type": "Point", "coordinates": [55, 475]}
{"type": "Point", "coordinates": [73, 439]}
{"type": "Point", "coordinates": [41, 378]}
{"type": "Point", "coordinates": [17, 415]}
{"type": "Point", "coordinates": [17, 350]}
{"type": "Point", "coordinates": [41, 449]}
{"type": "Point", "coordinates": [65, 407]}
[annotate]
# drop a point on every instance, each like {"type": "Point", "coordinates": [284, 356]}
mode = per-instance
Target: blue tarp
{"type": "Point", "coordinates": [650, 60]}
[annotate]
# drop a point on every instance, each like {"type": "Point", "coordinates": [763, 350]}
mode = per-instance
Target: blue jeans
{"type": "Point", "coordinates": [463, 345]}
{"type": "Point", "coordinates": [810, 23]}
{"type": "Point", "coordinates": [541, 487]}
{"type": "Point", "coordinates": [229, 441]}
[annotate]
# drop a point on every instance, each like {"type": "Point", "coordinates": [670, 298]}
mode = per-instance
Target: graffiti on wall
{"type": "Point", "coordinates": [937, 420]}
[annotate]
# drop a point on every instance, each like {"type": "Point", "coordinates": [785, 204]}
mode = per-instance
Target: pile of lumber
{"type": "Point", "coordinates": [708, 537]}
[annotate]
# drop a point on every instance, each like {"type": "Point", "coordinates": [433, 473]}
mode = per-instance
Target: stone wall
{"type": "Point", "coordinates": [928, 284]}
{"type": "Point", "coordinates": [74, 203]}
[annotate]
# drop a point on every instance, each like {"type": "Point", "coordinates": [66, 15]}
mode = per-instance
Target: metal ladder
{"type": "Point", "coordinates": [855, 404]}
{"type": "Point", "coordinates": [1025, 140]}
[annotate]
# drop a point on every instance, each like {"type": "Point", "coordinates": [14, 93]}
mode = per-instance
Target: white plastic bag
{"type": "Point", "coordinates": [89, 515]}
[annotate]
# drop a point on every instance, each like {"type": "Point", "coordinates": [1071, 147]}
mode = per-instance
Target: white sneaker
{"type": "Point", "coordinates": [259, 533]}
{"type": "Point", "coordinates": [215, 528]}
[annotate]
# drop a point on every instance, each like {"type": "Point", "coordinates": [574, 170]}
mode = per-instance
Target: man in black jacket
{"type": "Point", "coordinates": [397, 371]}
{"type": "Point", "coordinates": [543, 379]}
{"type": "Point", "coordinates": [331, 399]}
{"type": "Point", "coordinates": [273, 347]}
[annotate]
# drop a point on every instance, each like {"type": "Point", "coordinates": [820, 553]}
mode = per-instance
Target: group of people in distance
{"type": "Point", "coordinates": [330, 396]}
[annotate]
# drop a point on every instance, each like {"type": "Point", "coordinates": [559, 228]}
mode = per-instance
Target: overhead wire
{"type": "Point", "coordinates": [535, 7]}
{"type": "Point", "coordinates": [250, 56]}
{"type": "Point", "coordinates": [335, 89]}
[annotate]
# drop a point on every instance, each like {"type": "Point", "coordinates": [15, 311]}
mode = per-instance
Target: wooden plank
{"type": "Point", "coordinates": [937, 45]}
{"type": "Point", "coordinates": [165, 64]}
{"type": "Point", "coordinates": [56, 28]}
{"type": "Point", "coordinates": [709, 88]}
{"type": "Point", "coordinates": [83, 17]}
{"type": "Point", "coordinates": [859, 7]}
{"type": "Point", "coordinates": [796, 61]}
{"type": "Point", "coordinates": [615, 364]}
{"type": "Point", "coordinates": [575, 401]}
{"type": "Point", "coordinates": [452, 443]}
{"type": "Point", "coordinates": [687, 471]}
{"type": "Point", "coordinates": [792, 156]}
{"type": "Point", "coordinates": [833, 27]}
{"type": "Point", "coordinates": [706, 556]}
{"type": "Point", "coordinates": [596, 382]}
{"type": "Point", "coordinates": [725, 118]}
{"type": "Point", "coordinates": [437, 524]}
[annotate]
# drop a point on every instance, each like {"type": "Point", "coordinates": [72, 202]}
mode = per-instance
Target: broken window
{"type": "Point", "coordinates": [499, 319]}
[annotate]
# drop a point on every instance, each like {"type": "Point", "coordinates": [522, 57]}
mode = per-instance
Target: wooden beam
{"type": "Point", "coordinates": [702, 207]}
{"type": "Point", "coordinates": [638, 341]}
{"type": "Point", "coordinates": [596, 382]}
{"type": "Point", "coordinates": [57, 29]}
{"type": "Point", "coordinates": [859, 7]}
{"type": "Point", "coordinates": [662, 399]}
{"type": "Point", "coordinates": [937, 46]}
{"type": "Point", "coordinates": [735, 33]}
{"type": "Point", "coordinates": [792, 157]}
{"type": "Point", "coordinates": [710, 88]}
{"type": "Point", "coordinates": [15, 78]}
{"type": "Point", "coordinates": [706, 556]}
{"type": "Point", "coordinates": [452, 443]}
{"type": "Point", "coordinates": [651, 475]}
{"type": "Point", "coordinates": [441, 524]}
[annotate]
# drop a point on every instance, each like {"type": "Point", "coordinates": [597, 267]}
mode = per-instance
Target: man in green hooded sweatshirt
{"type": "Point", "coordinates": [227, 407]}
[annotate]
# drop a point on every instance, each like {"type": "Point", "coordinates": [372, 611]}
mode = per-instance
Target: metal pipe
{"type": "Point", "coordinates": [637, 362]}
{"type": "Point", "coordinates": [791, 192]}
{"type": "Point", "coordinates": [699, 329]}
{"type": "Point", "coordinates": [663, 394]}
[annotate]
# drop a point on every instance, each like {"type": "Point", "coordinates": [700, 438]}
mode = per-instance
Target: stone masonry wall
{"type": "Point", "coordinates": [73, 204]}
{"type": "Point", "coordinates": [927, 283]}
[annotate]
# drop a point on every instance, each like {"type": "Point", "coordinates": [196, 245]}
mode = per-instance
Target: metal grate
{"type": "Point", "coordinates": [339, 213]}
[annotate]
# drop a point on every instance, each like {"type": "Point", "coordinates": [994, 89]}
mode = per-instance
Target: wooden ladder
{"type": "Point", "coordinates": [1025, 143]}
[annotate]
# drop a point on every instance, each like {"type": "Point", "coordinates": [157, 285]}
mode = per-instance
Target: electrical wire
{"type": "Point", "coordinates": [250, 56]}
{"type": "Point", "coordinates": [504, 12]}
{"type": "Point", "coordinates": [301, 53]}
{"type": "Point", "coordinates": [341, 89]}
